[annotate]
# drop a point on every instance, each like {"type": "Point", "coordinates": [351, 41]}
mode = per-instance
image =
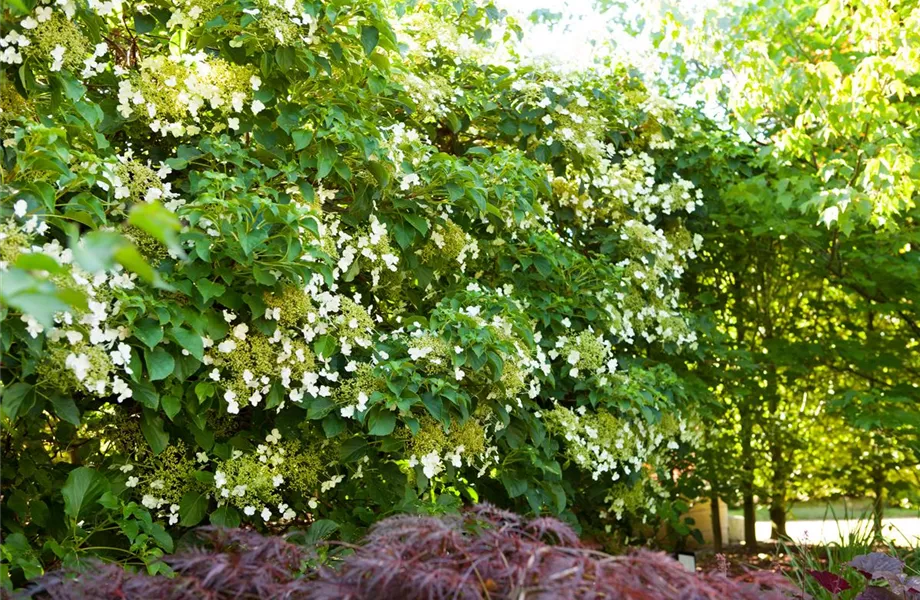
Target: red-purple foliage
{"type": "Point", "coordinates": [483, 554]}
{"type": "Point", "coordinates": [874, 564]}
{"type": "Point", "coordinates": [831, 582]}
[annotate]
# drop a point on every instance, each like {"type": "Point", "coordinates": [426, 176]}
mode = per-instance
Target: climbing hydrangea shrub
{"type": "Point", "coordinates": [279, 262]}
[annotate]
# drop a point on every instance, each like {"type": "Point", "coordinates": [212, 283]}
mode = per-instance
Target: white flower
{"type": "Point", "coordinates": [240, 331]}
{"type": "Point", "coordinates": [220, 479]}
{"type": "Point", "coordinates": [431, 464]}
{"type": "Point", "coordinates": [232, 406]}
{"type": "Point", "coordinates": [277, 480]}
{"type": "Point", "coordinates": [132, 482]}
{"type": "Point", "coordinates": [362, 402]}
{"type": "Point", "coordinates": [58, 55]}
{"type": "Point", "coordinates": [249, 511]}
{"type": "Point", "coordinates": [121, 388]}
{"type": "Point", "coordinates": [417, 353]}
{"type": "Point", "coordinates": [266, 514]}
{"type": "Point", "coordinates": [348, 411]}
{"type": "Point", "coordinates": [20, 208]}
{"type": "Point", "coordinates": [458, 374]}
{"type": "Point", "coordinates": [79, 364]}
{"type": "Point", "coordinates": [28, 23]}
{"type": "Point", "coordinates": [233, 123]}
{"type": "Point", "coordinates": [257, 107]}
{"type": "Point", "coordinates": [32, 326]}
{"type": "Point", "coordinates": [227, 346]}
{"type": "Point", "coordinates": [149, 501]}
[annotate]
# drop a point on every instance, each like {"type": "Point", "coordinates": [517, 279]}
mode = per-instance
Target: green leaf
{"type": "Point", "coordinates": [515, 487]}
{"type": "Point", "coordinates": [381, 421]}
{"type": "Point", "coordinates": [225, 516]}
{"type": "Point", "coordinates": [326, 159]}
{"type": "Point", "coordinates": [420, 223]}
{"type": "Point", "coordinates": [13, 398]}
{"type": "Point", "coordinates": [144, 23]}
{"type": "Point", "coordinates": [146, 394]}
{"type": "Point", "coordinates": [36, 261]}
{"type": "Point", "coordinates": [160, 363]}
{"type": "Point", "coordinates": [162, 538]}
{"type": "Point", "coordinates": [152, 428]}
{"type": "Point", "coordinates": [284, 57]}
{"type": "Point", "coordinates": [189, 340]}
{"type": "Point", "coordinates": [192, 508]}
{"type": "Point", "coordinates": [131, 259]}
{"type": "Point", "coordinates": [209, 289]}
{"type": "Point", "coordinates": [159, 222]}
{"type": "Point", "coordinates": [333, 425]}
{"type": "Point", "coordinates": [171, 405]}
{"type": "Point", "coordinates": [41, 306]}
{"type": "Point", "coordinates": [324, 346]}
{"type": "Point", "coordinates": [66, 409]}
{"type": "Point", "coordinates": [302, 139]}
{"type": "Point", "coordinates": [369, 38]}
{"type": "Point", "coordinates": [320, 530]}
{"type": "Point", "coordinates": [83, 487]}
{"type": "Point", "coordinates": [204, 390]}
{"type": "Point", "coordinates": [263, 276]}
{"type": "Point", "coordinates": [149, 332]}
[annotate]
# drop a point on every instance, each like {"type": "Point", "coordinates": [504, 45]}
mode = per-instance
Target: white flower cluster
{"type": "Point", "coordinates": [631, 179]}
{"type": "Point", "coordinates": [370, 251]}
{"type": "Point", "coordinates": [405, 146]}
{"type": "Point", "coordinates": [601, 444]}
{"type": "Point", "coordinates": [91, 343]}
{"type": "Point", "coordinates": [171, 92]}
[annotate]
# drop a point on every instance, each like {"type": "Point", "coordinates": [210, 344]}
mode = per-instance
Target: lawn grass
{"type": "Point", "coordinates": [817, 510]}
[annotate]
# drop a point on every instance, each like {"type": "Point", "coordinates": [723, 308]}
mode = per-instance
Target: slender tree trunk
{"type": "Point", "coordinates": [716, 518]}
{"type": "Point", "coordinates": [878, 505]}
{"type": "Point", "coordinates": [779, 486]}
{"type": "Point", "coordinates": [747, 482]}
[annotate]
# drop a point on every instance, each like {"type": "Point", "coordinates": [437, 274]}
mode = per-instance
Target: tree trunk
{"type": "Point", "coordinates": [716, 518]}
{"type": "Point", "coordinates": [878, 505]}
{"type": "Point", "coordinates": [747, 482]}
{"type": "Point", "coordinates": [778, 485]}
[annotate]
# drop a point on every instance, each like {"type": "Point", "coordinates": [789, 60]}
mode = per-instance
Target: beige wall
{"type": "Point", "coordinates": [702, 516]}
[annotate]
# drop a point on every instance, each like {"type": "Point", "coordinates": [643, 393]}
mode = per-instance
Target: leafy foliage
{"type": "Point", "coordinates": [485, 553]}
{"type": "Point", "coordinates": [258, 255]}
{"type": "Point", "coordinates": [875, 567]}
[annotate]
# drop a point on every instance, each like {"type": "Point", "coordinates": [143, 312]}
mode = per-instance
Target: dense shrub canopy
{"type": "Point", "coordinates": [269, 263]}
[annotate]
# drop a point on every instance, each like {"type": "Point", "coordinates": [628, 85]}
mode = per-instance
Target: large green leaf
{"type": "Point", "coordinates": [81, 490]}
{"type": "Point", "coordinates": [13, 398]}
{"type": "Point", "coordinates": [160, 363]}
{"type": "Point", "coordinates": [192, 508]}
